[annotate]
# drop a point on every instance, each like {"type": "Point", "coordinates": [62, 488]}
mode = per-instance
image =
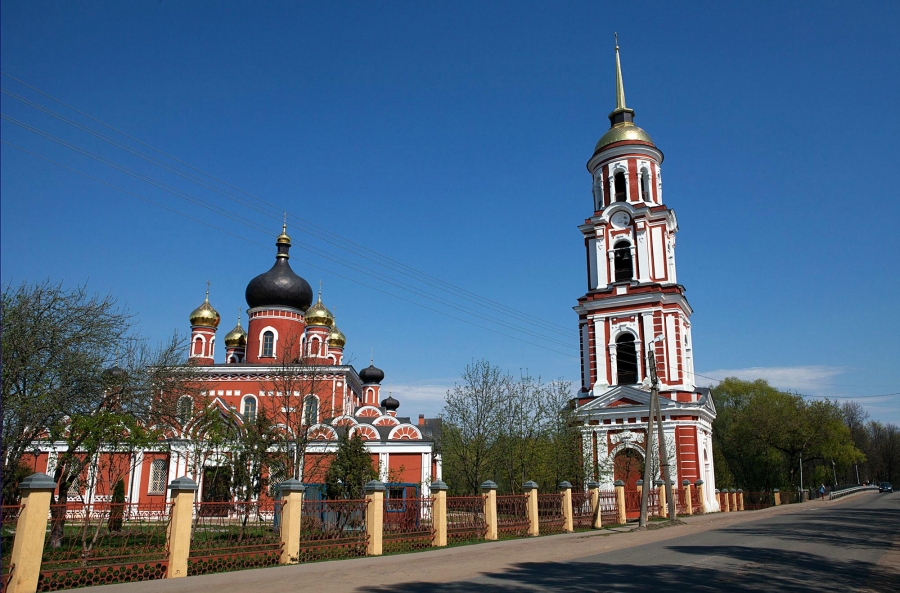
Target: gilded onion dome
{"type": "Point", "coordinates": [621, 120]}
{"type": "Point", "coordinates": [205, 315]}
{"type": "Point", "coordinates": [236, 338]}
{"type": "Point", "coordinates": [336, 338]}
{"type": "Point", "coordinates": [319, 314]}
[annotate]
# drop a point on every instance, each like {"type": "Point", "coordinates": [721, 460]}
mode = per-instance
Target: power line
{"type": "Point", "coordinates": [393, 264]}
{"type": "Point", "coordinates": [175, 211]}
{"type": "Point", "coordinates": [242, 220]}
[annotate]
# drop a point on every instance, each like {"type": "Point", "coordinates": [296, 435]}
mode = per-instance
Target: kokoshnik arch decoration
{"type": "Point", "coordinates": [632, 298]}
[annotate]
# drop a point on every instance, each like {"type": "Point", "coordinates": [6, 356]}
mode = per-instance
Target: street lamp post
{"type": "Point", "coordinates": [36, 451]}
{"type": "Point", "coordinates": [834, 473]}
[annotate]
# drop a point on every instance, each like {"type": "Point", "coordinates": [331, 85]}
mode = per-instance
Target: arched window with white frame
{"type": "Point", "coordinates": [249, 408]}
{"type": "Point", "coordinates": [185, 409]}
{"type": "Point", "coordinates": [645, 185]}
{"type": "Point", "coordinates": [268, 344]}
{"type": "Point", "coordinates": [310, 410]}
{"type": "Point", "coordinates": [621, 189]}
{"type": "Point", "coordinates": [626, 360]}
{"type": "Point", "coordinates": [624, 266]}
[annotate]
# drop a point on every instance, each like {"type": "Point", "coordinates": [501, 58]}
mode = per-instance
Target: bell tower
{"type": "Point", "coordinates": [633, 300]}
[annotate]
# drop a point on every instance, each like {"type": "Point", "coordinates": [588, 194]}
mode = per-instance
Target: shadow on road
{"type": "Point", "coordinates": [753, 569]}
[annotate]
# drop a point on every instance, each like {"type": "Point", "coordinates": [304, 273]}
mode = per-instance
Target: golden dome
{"type": "Point", "coordinates": [336, 338]}
{"type": "Point", "coordinates": [236, 338]}
{"type": "Point", "coordinates": [283, 238]}
{"type": "Point", "coordinates": [205, 315]}
{"type": "Point", "coordinates": [318, 314]}
{"type": "Point", "coordinates": [621, 132]}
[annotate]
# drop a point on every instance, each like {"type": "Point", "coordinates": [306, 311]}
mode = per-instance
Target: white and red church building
{"type": "Point", "coordinates": [286, 333]}
{"type": "Point", "coordinates": [633, 305]}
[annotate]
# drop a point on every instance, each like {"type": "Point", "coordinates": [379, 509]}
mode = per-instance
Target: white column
{"type": "Point", "coordinates": [426, 474]}
{"type": "Point", "coordinates": [643, 256]}
{"type": "Point", "coordinates": [592, 264]}
{"type": "Point", "coordinates": [672, 349]}
{"type": "Point", "coordinates": [600, 261]}
{"type": "Point", "coordinates": [586, 356]}
{"type": "Point", "coordinates": [603, 379]}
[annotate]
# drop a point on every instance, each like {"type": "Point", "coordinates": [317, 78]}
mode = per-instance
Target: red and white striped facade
{"type": "Point", "coordinates": [634, 304]}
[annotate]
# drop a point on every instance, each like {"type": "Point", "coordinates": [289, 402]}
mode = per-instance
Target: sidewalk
{"type": "Point", "coordinates": [450, 564]}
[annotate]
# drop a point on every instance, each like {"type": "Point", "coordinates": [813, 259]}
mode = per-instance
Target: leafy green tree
{"type": "Point", "coordinates": [350, 469]}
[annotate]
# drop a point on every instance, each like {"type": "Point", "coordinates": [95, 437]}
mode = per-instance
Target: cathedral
{"type": "Point", "coordinates": [288, 364]}
{"type": "Point", "coordinates": [634, 305]}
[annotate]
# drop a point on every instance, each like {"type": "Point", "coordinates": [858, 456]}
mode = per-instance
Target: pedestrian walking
{"type": "Point", "coordinates": [822, 491]}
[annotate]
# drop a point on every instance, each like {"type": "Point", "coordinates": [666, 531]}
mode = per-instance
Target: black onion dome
{"type": "Point", "coordinates": [280, 286]}
{"type": "Point", "coordinates": [371, 374]}
{"type": "Point", "coordinates": [390, 404]}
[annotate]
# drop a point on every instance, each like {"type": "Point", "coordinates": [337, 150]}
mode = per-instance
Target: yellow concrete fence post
{"type": "Point", "coordinates": [596, 512]}
{"type": "Point", "coordinates": [290, 517]}
{"type": "Point", "coordinates": [663, 507]}
{"type": "Point", "coordinates": [732, 499]}
{"type": "Point", "coordinates": [620, 501]}
{"type": "Point", "coordinates": [375, 517]}
{"type": "Point", "coordinates": [777, 494]}
{"type": "Point", "coordinates": [701, 494]}
{"type": "Point", "coordinates": [688, 502]}
{"type": "Point", "coordinates": [178, 537]}
{"type": "Point", "coordinates": [531, 490]}
{"type": "Point", "coordinates": [565, 488]}
{"type": "Point", "coordinates": [31, 528]}
{"type": "Point", "coordinates": [439, 513]}
{"type": "Point", "coordinates": [489, 489]}
{"type": "Point", "coordinates": [740, 500]}
{"type": "Point", "coordinates": [640, 488]}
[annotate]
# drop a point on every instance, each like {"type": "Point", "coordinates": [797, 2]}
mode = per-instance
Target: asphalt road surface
{"type": "Point", "coordinates": [848, 545]}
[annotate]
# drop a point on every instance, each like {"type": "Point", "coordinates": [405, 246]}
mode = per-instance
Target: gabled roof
{"type": "Point", "coordinates": [622, 397]}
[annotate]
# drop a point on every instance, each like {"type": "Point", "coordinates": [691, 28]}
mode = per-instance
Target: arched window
{"type": "Point", "coordinates": [249, 409]}
{"type": "Point", "coordinates": [621, 193]}
{"type": "Point", "coordinates": [268, 344]}
{"type": "Point", "coordinates": [310, 410]}
{"type": "Point", "coordinates": [645, 185]}
{"type": "Point", "coordinates": [185, 409]}
{"type": "Point", "coordinates": [198, 346]}
{"type": "Point", "coordinates": [626, 360]}
{"type": "Point", "coordinates": [623, 263]}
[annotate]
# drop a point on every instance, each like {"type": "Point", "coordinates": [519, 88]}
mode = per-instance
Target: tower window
{"type": "Point", "coordinates": [621, 193]}
{"type": "Point", "coordinates": [645, 185]}
{"type": "Point", "coordinates": [249, 409]}
{"type": "Point", "coordinates": [268, 344]}
{"type": "Point", "coordinates": [626, 360]}
{"type": "Point", "coordinates": [623, 263]}
{"type": "Point", "coordinates": [198, 346]}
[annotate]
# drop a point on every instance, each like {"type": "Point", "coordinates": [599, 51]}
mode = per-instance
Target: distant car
{"type": "Point", "coordinates": [885, 487]}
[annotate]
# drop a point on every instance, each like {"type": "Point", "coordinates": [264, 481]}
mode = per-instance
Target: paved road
{"type": "Point", "coordinates": [848, 545]}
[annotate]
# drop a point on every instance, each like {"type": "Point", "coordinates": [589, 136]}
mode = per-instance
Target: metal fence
{"type": "Point", "coordinates": [332, 529]}
{"type": "Point", "coordinates": [512, 516]}
{"type": "Point", "coordinates": [465, 519]}
{"type": "Point", "coordinates": [408, 524]}
{"type": "Point", "coordinates": [550, 514]}
{"type": "Point", "coordinates": [582, 510]}
{"type": "Point", "coordinates": [104, 544]}
{"type": "Point", "coordinates": [234, 535]}
{"type": "Point", "coordinates": [9, 517]}
{"type": "Point", "coordinates": [609, 507]}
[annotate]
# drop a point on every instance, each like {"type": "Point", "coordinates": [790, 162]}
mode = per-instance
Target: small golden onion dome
{"type": "Point", "coordinates": [336, 338]}
{"type": "Point", "coordinates": [205, 315]}
{"type": "Point", "coordinates": [236, 338]}
{"type": "Point", "coordinates": [621, 132]}
{"type": "Point", "coordinates": [318, 314]}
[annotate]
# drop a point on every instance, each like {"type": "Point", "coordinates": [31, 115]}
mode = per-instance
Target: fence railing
{"type": "Point", "coordinates": [9, 518]}
{"type": "Point", "coordinates": [512, 516]}
{"type": "Point", "coordinates": [333, 529]}
{"type": "Point", "coordinates": [848, 491]}
{"type": "Point", "coordinates": [408, 524]}
{"type": "Point", "coordinates": [754, 501]}
{"type": "Point", "coordinates": [104, 544]}
{"type": "Point", "coordinates": [550, 514]}
{"type": "Point", "coordinates": [233, 536]}
{"type": "Point", "coordinates": [465, 519]}
{"type": "Point", "coordinates": [582, 510]}
{"type": "Point", "coordinates": [108, 543]}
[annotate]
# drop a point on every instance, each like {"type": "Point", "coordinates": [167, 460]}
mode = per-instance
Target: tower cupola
{"type": "Point", "coordinates": [280, 286]}
{"type": "Point", "coordinates": [204, 321]}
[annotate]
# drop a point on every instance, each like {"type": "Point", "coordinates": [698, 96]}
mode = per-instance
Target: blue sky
{"type": "Point", "coordinates": [453, 138]}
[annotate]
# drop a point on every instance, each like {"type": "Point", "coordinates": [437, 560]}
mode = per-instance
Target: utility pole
{"type": "Point", "coordinates": [655, 409]}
